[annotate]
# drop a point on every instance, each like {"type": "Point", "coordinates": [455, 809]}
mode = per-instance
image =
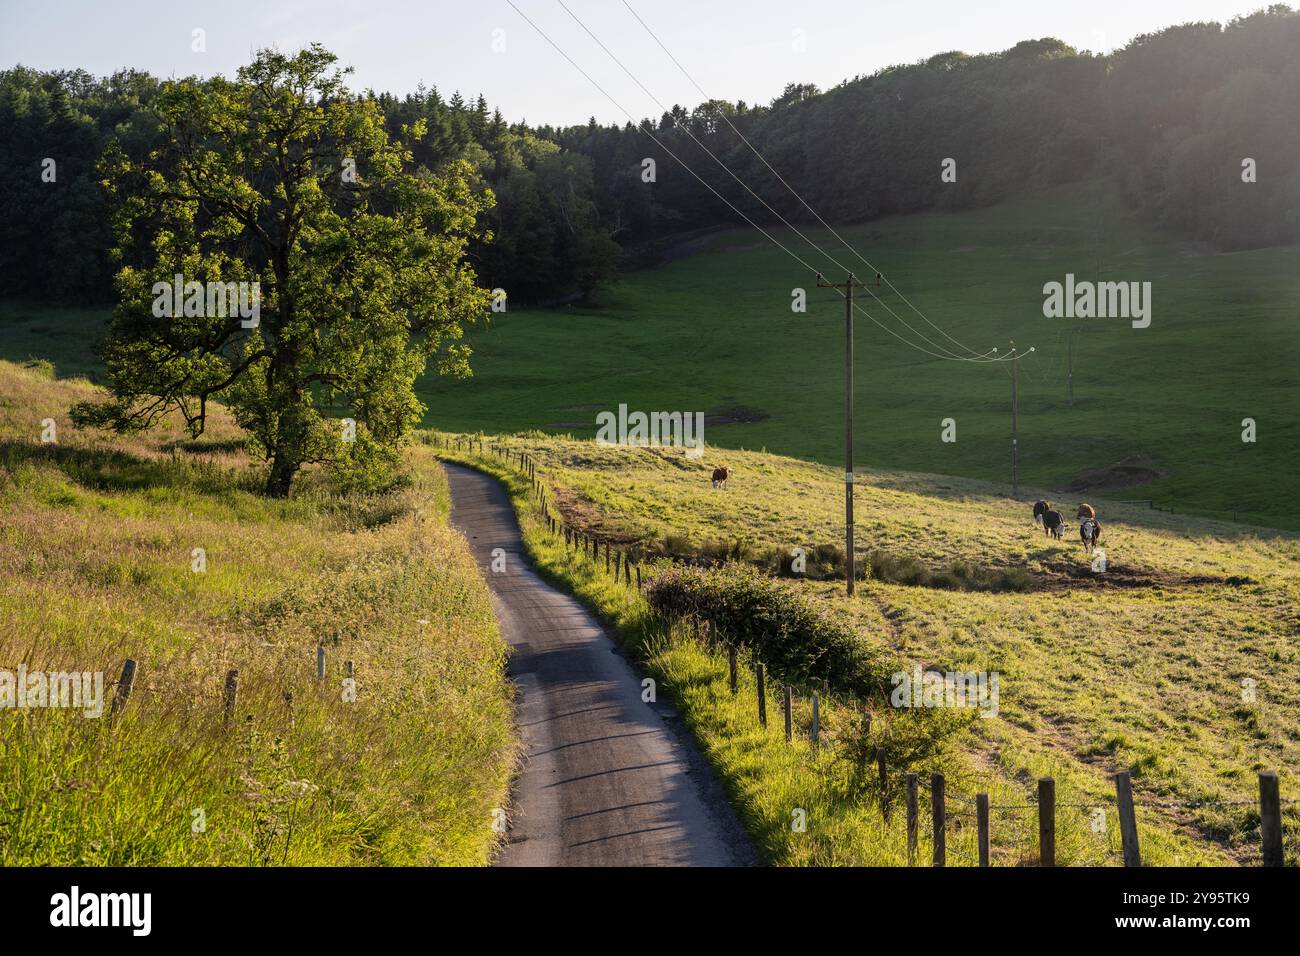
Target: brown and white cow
{"type": "Point", "coordinates": [720, 476]}
{"type": "Point", "coordinates": [1090, 533]}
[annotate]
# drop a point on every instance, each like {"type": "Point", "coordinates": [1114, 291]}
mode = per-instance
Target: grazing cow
{"type": "Point", "coordinates": [1090, 533]}
{"type": "Point", "coordinates": [720, 476]}
{"type": "Point", "coordinates": [1054, 524]}
{"type": "Point", "coordinates": [1041, 508]}
{"type": "Point", "coordinates": [1086, 511]}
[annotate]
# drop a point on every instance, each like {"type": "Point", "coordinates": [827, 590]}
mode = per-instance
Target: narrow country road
{"type": "Point", "coordinates": [606, 781]}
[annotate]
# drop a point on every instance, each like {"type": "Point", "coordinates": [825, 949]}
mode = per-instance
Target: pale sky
{"type": "Point", "coordinates": [736, 49]}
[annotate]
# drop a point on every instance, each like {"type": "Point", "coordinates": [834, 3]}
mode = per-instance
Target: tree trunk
{"type": "Point", "coordinates": [281, 476]}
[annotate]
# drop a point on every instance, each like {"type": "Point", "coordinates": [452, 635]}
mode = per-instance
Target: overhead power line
{"type": "Point", "coordinates": [781, 179]}
{"type": "Point", "coordinates": [645, 129]}
{"type": "Point", "coordinates": [950, 355]}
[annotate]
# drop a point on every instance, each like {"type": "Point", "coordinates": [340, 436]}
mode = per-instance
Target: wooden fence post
{"type": "Point", "coordinates": [816, 721]}
{"type": "Point", "coordinates": [231, 694]}
{"type": "Point", "coordinates": [320, 661]}
{"type": "Point", "coordinates": [787, 703]}
{"type": "Point", "coordinates": [638, 577]}
{"type": "Point", "coordinates": [762, 695]}
{"type": "Point", "coordinates": [1128, 830]}
{"type": "Point", "coordinates": [884, 782]}
{"type": "Point", "coordinates": [627, 572]}
{"type": "Point", "coordinates": [982, 825]}
{"type": "Point", "coordinates": [1270, 817]}
{"type": "Point", "coordinates": [912, 819]}
{"type": "Point", "coordinates": [607, 557]}
{"type": "Point", "coordinates": [939, 816]}
{"type": "Point", "coordinates": [1047, 822]}
{"type": "Point", "coordinates": [731, 661]}
{"type": "Point", "coordinates": [124, 683]}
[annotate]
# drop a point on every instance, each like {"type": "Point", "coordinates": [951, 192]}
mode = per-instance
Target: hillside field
{"type": "Point", "coordinates": [1177, 663]}
{"type": "Point", "coordinates": [713, 331]}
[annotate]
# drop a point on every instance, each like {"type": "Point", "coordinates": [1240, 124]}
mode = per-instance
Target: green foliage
{"type": "Point", "coordinates": [789, 633]}
{"type": "Point", "coordinates": [914, 740]}
{"type": "Point", "coordinates": [549, 243]}
{"type": "Point", "coordinates": [282, 178]}
{"type": "Point", "coordinates": [1166, 118]}
{"type": "Point", "coordinates": [549, 240]}
{"type": "Point", "coordinates": [42, 367]}
{"type": "Point", "coordinates": [55, 235]}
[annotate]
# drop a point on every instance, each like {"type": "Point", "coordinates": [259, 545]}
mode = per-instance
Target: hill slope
{"type": "Point", "coordinates": [714, 332]}
{"type": "Point", "coordinates": [98, 564]}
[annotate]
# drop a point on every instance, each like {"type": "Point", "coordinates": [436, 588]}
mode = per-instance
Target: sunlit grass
{"type": "Point", "coordinates": [1062, 670]}
{"type": "Point", "coordinates": [97, 558]}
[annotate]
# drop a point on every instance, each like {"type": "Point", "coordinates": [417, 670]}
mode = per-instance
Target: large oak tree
{"type": "Point", "coordinates": [284, 178]}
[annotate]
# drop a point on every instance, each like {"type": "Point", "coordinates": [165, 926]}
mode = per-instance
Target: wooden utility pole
{"type": "Point", "coordinates": [1069, 368]}
{"type": "Point", "coordinates": [847, 287]}
{"type": "Point", "coordinates": [1015, 423]}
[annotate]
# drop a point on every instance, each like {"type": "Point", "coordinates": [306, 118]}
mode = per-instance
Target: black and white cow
{"type": "Point", "coordinates": [1041, 508]}
{"type": "Point", "coordinates": [1054, 524]}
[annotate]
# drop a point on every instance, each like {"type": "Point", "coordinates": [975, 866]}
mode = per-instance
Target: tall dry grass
{"type": "Point", "coordinates": [97, 539]}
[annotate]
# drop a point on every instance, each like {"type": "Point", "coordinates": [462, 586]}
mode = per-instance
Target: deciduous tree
{"type": "Point", "coordinates": [283, 178]}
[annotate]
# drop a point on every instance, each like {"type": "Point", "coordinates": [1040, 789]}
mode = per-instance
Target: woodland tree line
{"type": "Point", "coordinates": [1169, 118]}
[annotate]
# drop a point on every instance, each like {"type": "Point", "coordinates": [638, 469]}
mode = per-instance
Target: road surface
{"type": "Point", "coordinates": [607, 780]}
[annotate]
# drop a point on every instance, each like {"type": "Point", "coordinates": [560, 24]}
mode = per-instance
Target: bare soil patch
{"type": "Point", "coordinates": [1128, 473]}
{"type": "Point", "coordinates": [1066, 575]}
{"type": "Point", "coordinates": [739, 415]}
